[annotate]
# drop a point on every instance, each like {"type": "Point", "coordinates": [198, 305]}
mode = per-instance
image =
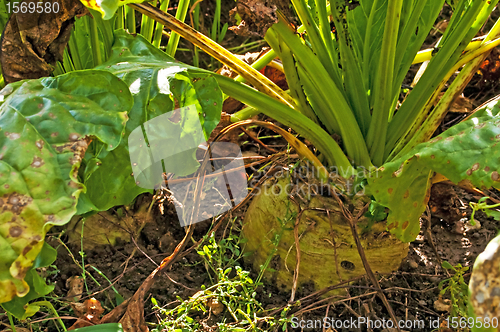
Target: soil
{"type": "Point", "coordinates": [412, 290]}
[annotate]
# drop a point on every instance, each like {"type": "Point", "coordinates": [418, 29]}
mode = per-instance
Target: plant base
{"type": "Point", "coordinates": [328, 253]}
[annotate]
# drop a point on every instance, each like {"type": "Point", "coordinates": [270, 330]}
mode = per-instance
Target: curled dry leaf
{"type": "Point", "coordinates": [216, 307]}
{"type": "Point", "coordinates": [75, 286]}
{"type": "Point", "coordinates": [88, 312]}
{"type": "Point", "coordinates": [442, 305]}
{"type": "Point", "coordinates": [32, 43]}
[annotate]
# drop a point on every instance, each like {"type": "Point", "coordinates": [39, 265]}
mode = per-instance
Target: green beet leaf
{"type": "Point", "coordinates": [45, 127]}
{"type": "Point", "coordinates": [468, 151]}
{"type": "Point", "coordinates": [158, 85]}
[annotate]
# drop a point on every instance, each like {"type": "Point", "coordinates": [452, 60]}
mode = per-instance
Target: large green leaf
{"type": "Point", "coordinates": [45, 126]}
{"type": "Point", "coordinates": [468, 151]}
{"type": "Point", "coordinates": [80, 44]}
{"type": "Point", "coordinates": [362, 33]}
{"type": "Point", "coordinates": [158, 84]}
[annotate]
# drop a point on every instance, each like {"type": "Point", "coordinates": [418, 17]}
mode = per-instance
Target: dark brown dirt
{"type": "Point", "coordinates": [412, 290]}
{"type": "Point", "coordinates": [156, 241]}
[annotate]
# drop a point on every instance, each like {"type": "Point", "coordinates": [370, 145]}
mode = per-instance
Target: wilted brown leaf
{"type": "Point", "coordinates": [258, 15]}
{"type": "Point", "coordinates": [216, 307]}
{"type": "Point", "coordinates": [88, 313]}
{"type": "Point", "coordinates": [32, 43]}
{"type": "Point", "coordinates": [75, 286]}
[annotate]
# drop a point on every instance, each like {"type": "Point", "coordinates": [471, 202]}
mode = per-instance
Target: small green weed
{"type": "Point", "coordinates": [232, 297]}
{"type": "Point", "coordinates": [489, 210]}
{"type": "Point", "coordinates": [458, 290]}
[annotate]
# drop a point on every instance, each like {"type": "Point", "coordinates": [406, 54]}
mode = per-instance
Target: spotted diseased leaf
{"type": "Point", "coordinates": [403, 187]}
{"type": "Point", "coordinates": [20, 306]}
{"type": "Point", "coordinates": [469, 151]}
{"type": "Point", "coordinates": [158, 85]}
{"type": "Point", "coordinates": [46, 126]}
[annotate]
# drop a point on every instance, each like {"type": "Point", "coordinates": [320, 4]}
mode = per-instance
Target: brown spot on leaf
{"type": "Point", "coordinates": [405, 224]}
{"type": "Point", "coordinates": [407, 194]}
{"type": "Point", "coordinates": [495, 176]}
{"type": "Point", "coordinates": [37, 162]}
{"type": "Point", "coordinates": [415, 204]}
{"type": "Point", "coordinates": [15, 231]}
{"type": "Point", "coordinates": [15, 202]}
{"type": "Point", "coordinates": [21, 272]}
{"type": "Point", "coordinates": [27, 249]}
{"type": "Point", "coordinates": [12, 136]}
{"type": "Point", "coordinates": [475, 167]}
{"type": "Point", "coordinates": [435, 139]}
{"type": "Point", "coordinates": [39, 144]}
{"type": "Point", "coordinates": [469, 172]}
{"type": "Point", "coordinates": [390, 190]}
{"type": "Point", "coordinates": [487, 169]}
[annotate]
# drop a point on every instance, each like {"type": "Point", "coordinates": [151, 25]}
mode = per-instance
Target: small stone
{"type": "Point", "coordinates": [442, 305]}
{"type": "Point", "coordinates": [413, 264]}
{"type": "Point", "coordinates": [216, 306]}
{"type": "Point", "coordinates": [435, 279]}
{"type": "Point", "coordinates": [459, 227]}
{"type": "Point", "coordinates": [470, 227]}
